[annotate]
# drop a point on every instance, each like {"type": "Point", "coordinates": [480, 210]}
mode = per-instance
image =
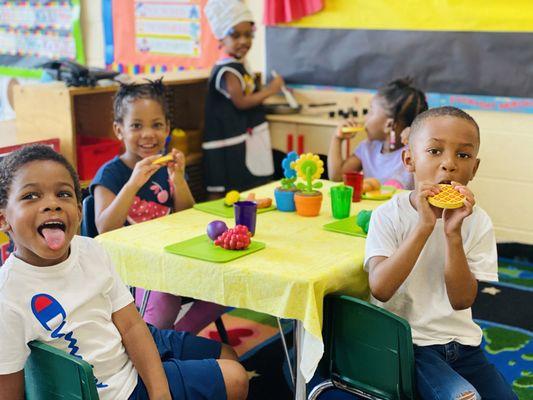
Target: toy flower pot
{"type": "Point", "coordinates": [284, 199]}
{"type": "Point", "coordinates": [308, 203]}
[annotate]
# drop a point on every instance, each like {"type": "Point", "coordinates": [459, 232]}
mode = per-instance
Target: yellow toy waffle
{"type": "Point", "coordinates": [164, 159]}
{"type": "Point", "coordinates": [352, 129]}
{"type": "Point", "coordinates": [447, 198]}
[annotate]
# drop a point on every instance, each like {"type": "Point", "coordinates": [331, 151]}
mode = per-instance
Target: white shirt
{"type": "Point", "coordinates": [422, 299]}
{"type": "Point", "coordinates": [68, 306]}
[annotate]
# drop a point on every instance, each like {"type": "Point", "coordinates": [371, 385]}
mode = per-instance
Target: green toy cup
{"type": "Point", "coordinates": [341, 201]}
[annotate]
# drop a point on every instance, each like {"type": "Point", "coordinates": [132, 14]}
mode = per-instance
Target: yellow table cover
{"type": "Point", "coordinates": [289, 278]}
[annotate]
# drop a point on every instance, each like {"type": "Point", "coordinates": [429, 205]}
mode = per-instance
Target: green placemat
{"type": "Point", "coordinates": [346, 226]}
{"type": "Point", "coordinates": [202, 248]}
{"type": "Point", "coordinates": [217, 207]}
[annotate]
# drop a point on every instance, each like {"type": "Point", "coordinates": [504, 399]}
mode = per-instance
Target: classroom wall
{"type": "Point", "coordinates": [93, 33]}
{"type": "Point", "coordinates": [504, 182]}
{"type": "Point", "coordinates": [256, 56]}
{"type": "Point", "coordinates": [448, 46]}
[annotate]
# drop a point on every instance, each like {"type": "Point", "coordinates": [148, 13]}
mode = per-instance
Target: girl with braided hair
{"type": "Point", "coordinates": [392, 110]}
{"type": "Point", "coordinates": [130, 189]}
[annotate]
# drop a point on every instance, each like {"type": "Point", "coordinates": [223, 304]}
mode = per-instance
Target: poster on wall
{"type": "Point", "coordinates": [36, 31]}
{"type": "Point", "coordinates": [152, 36]}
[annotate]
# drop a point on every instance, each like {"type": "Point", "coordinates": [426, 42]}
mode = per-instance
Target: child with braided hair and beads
{"type": "Point", "coordinates": [392, 111]}
{"type": "Point", "coordinates": [131, 188]}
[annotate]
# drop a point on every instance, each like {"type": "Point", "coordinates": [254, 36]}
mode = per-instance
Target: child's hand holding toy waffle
{"type": "Point", "coordinates": [457, 202]}
{"type": "Point", "coordinates": [175, 162]}
{"type": "Point", "coordinates": [448, 197]}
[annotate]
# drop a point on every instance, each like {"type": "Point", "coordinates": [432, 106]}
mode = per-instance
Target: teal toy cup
{"type": "Point", "coordinates": [341, 201]}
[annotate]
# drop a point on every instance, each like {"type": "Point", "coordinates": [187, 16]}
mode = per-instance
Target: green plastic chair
{"type": "Point", "coordinates": [368, 351]}
{"type": "Point", "coordinates": [50, 373]}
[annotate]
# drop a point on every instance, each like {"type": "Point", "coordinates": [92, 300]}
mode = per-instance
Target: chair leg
{"type": "Point", "coordinates": [319, 389]}
{"type": "Point", "coordinates": [222, 330]}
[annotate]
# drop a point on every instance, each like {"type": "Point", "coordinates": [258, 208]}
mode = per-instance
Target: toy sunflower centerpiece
{"type": "Point", "coordinates": [308, 201]}
{"type": "Point", "coordinates": [284, 194]}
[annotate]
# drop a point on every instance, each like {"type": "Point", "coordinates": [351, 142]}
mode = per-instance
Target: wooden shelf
{"type": "Point", "coordinates": [53, 110]}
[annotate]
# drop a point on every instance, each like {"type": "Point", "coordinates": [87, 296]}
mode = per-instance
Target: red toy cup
{"type": "Point", "coordinates": [355, 180]}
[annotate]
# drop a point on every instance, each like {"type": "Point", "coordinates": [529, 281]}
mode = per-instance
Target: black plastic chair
{"type": "Point", "coordinates": [88, 228]}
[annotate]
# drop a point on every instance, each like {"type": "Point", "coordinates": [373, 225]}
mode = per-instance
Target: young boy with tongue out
{"type": "Point", "coordinates": [62, 289]}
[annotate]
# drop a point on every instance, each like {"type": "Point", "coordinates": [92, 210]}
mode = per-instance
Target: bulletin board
{"type": "Point", "coordinates": [157, 36]}
{"type": "Point", "coordinates": [36, 31]}
{"type": "Point", "coordinates": [469, 47]}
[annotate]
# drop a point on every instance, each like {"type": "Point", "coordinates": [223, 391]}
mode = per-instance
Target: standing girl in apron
{"type": "Point", "coordinates": [237, 150]}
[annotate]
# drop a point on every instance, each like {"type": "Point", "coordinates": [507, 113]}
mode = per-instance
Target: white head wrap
{"type": "Point", "coordinates": [225, 14]}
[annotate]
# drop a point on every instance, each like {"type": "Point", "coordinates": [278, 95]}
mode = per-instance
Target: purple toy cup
{"type": "Point", "coordinates": [246, 214]}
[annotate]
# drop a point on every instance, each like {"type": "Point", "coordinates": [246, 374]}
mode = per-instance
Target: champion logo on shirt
{"type": "Point", "coordinates": [47, 310]}
{"type": "Point", "coordinates": [52, 316]}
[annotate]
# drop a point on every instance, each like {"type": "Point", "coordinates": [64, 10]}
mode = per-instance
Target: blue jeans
{"type": "Point", "coordinates": [454, 371]}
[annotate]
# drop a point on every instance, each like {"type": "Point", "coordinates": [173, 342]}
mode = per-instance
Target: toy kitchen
{"type": "Point", "coordinates": [306, 123]}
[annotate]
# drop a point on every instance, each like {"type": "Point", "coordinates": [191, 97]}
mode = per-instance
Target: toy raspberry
{"type": "Point", "coordinates": [237, 238]}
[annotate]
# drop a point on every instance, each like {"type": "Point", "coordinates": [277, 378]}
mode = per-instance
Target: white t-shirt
{"type": "Point", "coordinates": [422, 299]}
{"type": "Point", "coordinates": [68, 306]}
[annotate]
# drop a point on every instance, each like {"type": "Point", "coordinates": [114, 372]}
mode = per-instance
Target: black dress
{"type": "Point", "coordinates": [237, 149]}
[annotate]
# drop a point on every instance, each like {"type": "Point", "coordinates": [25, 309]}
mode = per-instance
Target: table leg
{"type": "Point", "coordinates": [300, 389]}
{"type": "Point", "coordinates": [286, 350]}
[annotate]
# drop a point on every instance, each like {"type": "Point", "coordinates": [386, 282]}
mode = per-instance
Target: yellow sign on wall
{"type": "Point", "coordinates": [426, 15]}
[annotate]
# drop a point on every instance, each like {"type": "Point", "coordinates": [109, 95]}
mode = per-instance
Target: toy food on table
{"type": "Point", "coordinates": [163, 159]}
{"type": "Point", "coordinates": [384, 193]}
{"type": "Point", "coordinates": [352, 129]}
{"type": "Point", "coordinates": [363, 219]}
{"type": "Point", "coordinates": [237, 238]}
{"type": "Point", "coordinates": [448, 197]}
{"type": "Point", "coordinates": [216, 228]}
{"type": "Point", "coordinates": [371, 184]}
{"type": "Point", "coordinates": [261, 203]}
{"type": "Point", "coordinates": [232, 197]}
